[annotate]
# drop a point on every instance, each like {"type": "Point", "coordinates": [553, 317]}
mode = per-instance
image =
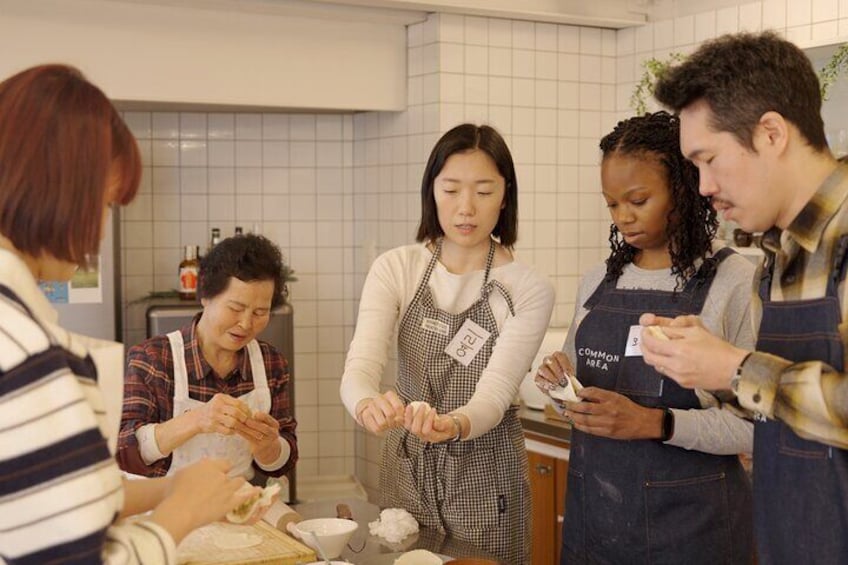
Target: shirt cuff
{"type": "Point", "coordinates": [147, 446]}
{"type": "Point", "coordinates": [758, 382]}
{"type": "Point", "coordinates": [285, 453]}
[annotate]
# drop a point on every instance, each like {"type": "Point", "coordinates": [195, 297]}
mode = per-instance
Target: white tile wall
{"type": "Point", "coordinates": [288, 176]}
{"type": "Point", "coordinates": [335, 190]}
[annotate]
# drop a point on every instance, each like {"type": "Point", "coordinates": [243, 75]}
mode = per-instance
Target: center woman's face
{"type": "Point", "coordinates": [638, 199]}
{"type": "Point", "coordinates": [469, 193]}
{"type": "Point", "coordinates": [233, 318]}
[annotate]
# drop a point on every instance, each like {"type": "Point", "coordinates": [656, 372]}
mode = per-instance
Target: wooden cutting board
{"type": "Point", "coordinates": [200, 547]}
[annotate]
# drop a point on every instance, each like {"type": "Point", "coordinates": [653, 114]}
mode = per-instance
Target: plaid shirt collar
{"type": "Point", "coordinates": [196, 365]}
{"type": "Point", "coordinates": [808, 226]}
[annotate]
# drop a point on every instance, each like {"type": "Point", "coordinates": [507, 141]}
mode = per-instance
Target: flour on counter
{"type": "Point", "coordinates": [393, 525]}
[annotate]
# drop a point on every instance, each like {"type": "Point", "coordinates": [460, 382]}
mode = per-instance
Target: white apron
{"type": "Point", "coordinates": [213, 445]}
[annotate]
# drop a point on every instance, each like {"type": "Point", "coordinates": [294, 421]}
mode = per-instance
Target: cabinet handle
{"type": "Point", "coordinates": [544, 469]}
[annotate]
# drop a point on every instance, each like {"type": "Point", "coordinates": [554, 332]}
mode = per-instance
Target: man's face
{"type": "Point", "coordinates": [737, 180]}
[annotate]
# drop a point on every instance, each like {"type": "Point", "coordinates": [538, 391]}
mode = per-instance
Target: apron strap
{"type": "Point", "coordinates": [180, 372]}
{"type": "Point", "coordinates": [260, 378]}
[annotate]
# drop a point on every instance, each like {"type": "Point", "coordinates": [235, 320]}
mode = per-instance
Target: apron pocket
{"type": "Point", "coordinates": [636, 378]}
{"type": "Point", "coordinates": [793, 445]}
{"type": "Point", "coordinates": [688, 520]}
{"type": "Point", "coordinates": [473, 500]}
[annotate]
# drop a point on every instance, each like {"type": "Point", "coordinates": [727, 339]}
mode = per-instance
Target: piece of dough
{"type": "Point", "coordinates": [657, 332]}
{"type": "Point", "coordinates": [418, 405]}
{"type": "Point", "coordinates": [418, 557]}
{"type": "Point", "coordinates": [245, 510]}
{"type": "Point", "coordinates": [236, 540]}
{"type": "Point", "coordinates": [569, 391]}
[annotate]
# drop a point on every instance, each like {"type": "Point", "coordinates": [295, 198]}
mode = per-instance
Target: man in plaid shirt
{"type": "Point", "coordinates": [750, 115]}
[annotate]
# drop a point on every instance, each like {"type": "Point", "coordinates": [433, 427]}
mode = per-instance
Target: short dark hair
{"type": "Point", "coordinates": [743, 76]}
{"type": "Point", "coordinates": [692, 222]}
{"type": "Point", "coordinates": [248, 258]}
{"type": "Point", "coordinates": [60, 140]}
{"type": "Point", "coordinates": [466, 137]}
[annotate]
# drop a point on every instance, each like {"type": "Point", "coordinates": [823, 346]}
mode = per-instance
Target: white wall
{"type": "Point", "coordinates": [334, 190]}
{"type": "Point", "coordinates": [175, 54]}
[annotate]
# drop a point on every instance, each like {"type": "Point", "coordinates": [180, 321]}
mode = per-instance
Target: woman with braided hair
{"type": "Point", "coordinates": [654, 475]}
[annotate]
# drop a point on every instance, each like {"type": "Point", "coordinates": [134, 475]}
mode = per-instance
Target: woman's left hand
{"type": "Point", "coordinates": [608, 414]}
{"type": "Point", "coordinates": [261, 431]}
{"type": "Point", "coordinates": [428, 425]}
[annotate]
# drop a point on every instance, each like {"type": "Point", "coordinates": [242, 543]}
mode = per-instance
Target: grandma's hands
{"type": "Point", "coordinates": [692, 356]}
{"type": "Point", "coordinates": [262, 432]}
{"type": "Point", "coordinates": [222, 415]}
{"type": "Point", "coordinates": [380, 413]}
{"type": "Point", "coordinates": [612, 415]}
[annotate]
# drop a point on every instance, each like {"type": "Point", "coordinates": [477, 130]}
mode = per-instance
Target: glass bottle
{"type": "Point", "coordinates": [188, 272]}
{"type": "Point", "coordinates": [215, 239]}
{"type": "Point", "coordinates": [239, 231]}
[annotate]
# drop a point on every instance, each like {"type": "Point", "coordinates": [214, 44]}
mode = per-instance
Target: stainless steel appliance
{"type": "Point", "coordinates": [164, 316]}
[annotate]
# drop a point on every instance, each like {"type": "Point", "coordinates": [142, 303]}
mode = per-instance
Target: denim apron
{"type": "Point", "coordinates": [233, 447]}
{"type": "Point", "coordinates": [643, 501]}
{"type": "Point", "coordinates": [800, 486]}
{"type": "Point", "coordinates": [477, 491]}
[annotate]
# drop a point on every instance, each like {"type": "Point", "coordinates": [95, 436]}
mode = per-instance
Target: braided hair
{"type": "Point", "coordinates": [692, 221]}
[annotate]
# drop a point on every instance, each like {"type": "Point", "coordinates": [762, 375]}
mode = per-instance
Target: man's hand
{"type": "Point", "coordinates": [692, 356]}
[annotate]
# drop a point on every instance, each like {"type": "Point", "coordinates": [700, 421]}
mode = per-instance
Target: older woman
{"type": "Point", "coordinates": [210, 388]}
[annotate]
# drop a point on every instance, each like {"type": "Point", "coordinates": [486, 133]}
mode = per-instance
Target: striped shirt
{"type": "Point", "coordinates": [810, 394]}
{"type": "Point", "coordinates": [149, 395]}
{"type": "Point", "coordinates": [60, 489]}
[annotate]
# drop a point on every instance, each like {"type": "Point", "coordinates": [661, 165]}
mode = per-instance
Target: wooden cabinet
{"type": "Point", "coordinates": [548, 462]}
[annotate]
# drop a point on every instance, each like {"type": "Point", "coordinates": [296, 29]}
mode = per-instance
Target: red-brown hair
{"type": "Point", "coordinates": [61, 144]}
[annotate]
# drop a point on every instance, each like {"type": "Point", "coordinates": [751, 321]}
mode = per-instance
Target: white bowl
{"type": "Point", "coordinates": [332, 533]}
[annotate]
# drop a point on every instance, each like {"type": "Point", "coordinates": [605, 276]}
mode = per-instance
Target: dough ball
{"type": "Point", "coordinates": [418, 557]}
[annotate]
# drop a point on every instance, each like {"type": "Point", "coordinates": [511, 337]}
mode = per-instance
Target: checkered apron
{"type": "Point", "coordinates": [477, 491]}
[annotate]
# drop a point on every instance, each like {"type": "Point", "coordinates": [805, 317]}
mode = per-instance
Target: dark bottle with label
{"type": "Point", "coordinates": [189, 269]}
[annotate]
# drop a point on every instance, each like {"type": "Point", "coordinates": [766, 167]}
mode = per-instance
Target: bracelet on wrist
{"type": "Point", "coordinates": [458, 423]}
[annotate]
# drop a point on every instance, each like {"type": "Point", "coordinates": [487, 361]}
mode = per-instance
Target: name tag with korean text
{"type": "Point", "coordinates": [435, 326]}
{"type": "Point", "coordinates": [634, 337]}
{"type": "Point", "coordinates": [467, 342]}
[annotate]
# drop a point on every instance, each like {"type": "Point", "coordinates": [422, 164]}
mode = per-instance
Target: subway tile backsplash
{"type": "Point", "coordinates": [334, 190]}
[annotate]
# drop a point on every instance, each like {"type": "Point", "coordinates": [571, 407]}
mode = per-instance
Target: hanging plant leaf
{"type": "Point", "coordinates": [653, 69]}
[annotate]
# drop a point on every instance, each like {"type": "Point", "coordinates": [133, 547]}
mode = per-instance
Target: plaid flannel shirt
{"type": "Point", "coordinates": [149, 394]}
{"type": "Point", "coordinates": [810, 394]}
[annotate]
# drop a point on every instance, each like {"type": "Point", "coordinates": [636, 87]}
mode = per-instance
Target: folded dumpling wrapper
{"type": "Point", "coordinates": [657, 332]}
{"type": "Point", "coordinates": [418, 405]}
{"type": "Point", "coordinates": [244, 511]}
{"type": "Point", "coordinates": [568, 392]}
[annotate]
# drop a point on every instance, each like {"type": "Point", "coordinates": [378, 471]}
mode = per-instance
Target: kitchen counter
{"type": "Point", "coordinates": [365, 549]}
{"type": "Point", "coordinates": [534, 421]}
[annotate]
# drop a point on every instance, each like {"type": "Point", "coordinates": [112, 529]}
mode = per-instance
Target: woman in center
{"type": "Point", "coordinates": [469, 320]}
{"type": "Point", "coordinates": [654, 475]}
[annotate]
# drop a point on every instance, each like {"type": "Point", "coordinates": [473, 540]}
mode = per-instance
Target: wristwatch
{"type": "Point", "coordinates": [737, 375]}
{"type": "Point", "coordinates": [667, 424]}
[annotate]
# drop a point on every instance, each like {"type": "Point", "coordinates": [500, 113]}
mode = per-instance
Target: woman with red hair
{"type": "Point", "coordinates": [65, 158]}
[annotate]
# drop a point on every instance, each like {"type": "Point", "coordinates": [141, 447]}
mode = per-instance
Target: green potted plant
{"type": "Point", "coordinates": [653, 68]}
